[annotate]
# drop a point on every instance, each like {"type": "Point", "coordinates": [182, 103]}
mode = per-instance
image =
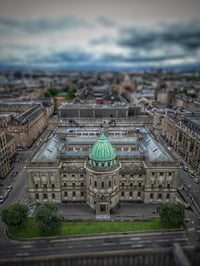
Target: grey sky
{"type": "Point", "coordinates": [86, 32]}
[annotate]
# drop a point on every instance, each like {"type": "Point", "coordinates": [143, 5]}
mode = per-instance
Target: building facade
{"type": "Point", "coordinates": [7, 152]}
{"type": "Point", "coordinates": [102, 169]}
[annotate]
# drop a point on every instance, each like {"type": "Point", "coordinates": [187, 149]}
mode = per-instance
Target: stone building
{"type": "Point", "coordinates": [7, 152]}
{"type": "Point", "coordinates": [182, 132]}
{"type": "Point", "coordinates": [102, 169]}
{"type": "Point", "coordinates": [24, 121]}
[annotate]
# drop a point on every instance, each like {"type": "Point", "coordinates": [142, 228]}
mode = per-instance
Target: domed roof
{"type": "Point", "coordinates": [102, 150]}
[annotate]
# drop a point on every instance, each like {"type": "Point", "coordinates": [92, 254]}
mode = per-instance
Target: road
{"type": "Point", "coordinates": [77, 245]}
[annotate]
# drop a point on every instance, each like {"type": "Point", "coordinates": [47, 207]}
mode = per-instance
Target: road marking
{"type": "Point", "coordinates": [180, 239]}
{"type": "Point", "coordinates": [162, 240]}
{"type": "Point", "coordinates": [27, 246]}
{"type": "Point", "coordinates": [22, 254]}
{"type": "Point", "coordinates": [135, 238]}
{"type": "Point", "coordinates": [108, 244]}
{"type": "Point", "coordinates": [126, 243]}
{"type": "Point", "coordinates": [146, 241]}
{"type": "Point", "coordinates": [137, 246]}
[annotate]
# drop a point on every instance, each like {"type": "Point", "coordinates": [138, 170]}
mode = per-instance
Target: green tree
{"type": "Point", "coordinates": [172, 214]}
{"type": "Point", "coordinates": [51, 92]}
{"type": "Point", "coordinates": [48, 219]}
{"type": "Point", "coordinates": [15, 215]}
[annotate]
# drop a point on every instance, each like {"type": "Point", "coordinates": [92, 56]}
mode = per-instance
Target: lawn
{"type": "Point", "coordinates": [30, 230]}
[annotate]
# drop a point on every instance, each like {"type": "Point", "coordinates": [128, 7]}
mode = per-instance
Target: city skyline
{"type": "Point", "coordinates": [86, 35]}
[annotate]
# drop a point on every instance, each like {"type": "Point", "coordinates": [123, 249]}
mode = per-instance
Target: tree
{"type": "Point", "coordinates": [172, 214]}
{"type": "Point", "coordinates": [15, 215]}
{"type": "Point", "coordinates": [48, 219]}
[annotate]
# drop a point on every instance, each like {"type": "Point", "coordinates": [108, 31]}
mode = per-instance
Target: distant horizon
{"type": "Point", "coordinates": [92, 34]}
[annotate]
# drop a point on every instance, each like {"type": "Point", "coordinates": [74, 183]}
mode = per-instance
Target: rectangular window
{"type": "Point", "coordinates": [95, 183]}
{"type": "Point", "coordinates": [102, 184]}
{"type": "Point", "coordinates": [122, 193]}
{"type": "Point", "coordinates": [169, 173]}
{"type": "Point", "coordinates": [122, 184]}
{"type": "Point", "coordinates": [37, 196]}
{"type": "Point", "coordinates": [168, 196]}
{"type": "Point", "coordinates": [168, 186]}
{"type": "Point", "coordinates": [53, 196]}
{"type": "Point", "coordinates": [152, 186]}
{"type": "Point", "coordinates": [65, 184]}
{"type": "Point", "coordinates": [73, 184]}
{"type": "Point", "coordinates": [53, 185]}
{"type": "Point", "coordinates": [44, 185]}
{"type": "Point", "coordinates": [130, 194]}
{"type": "Point", "coordinates": [74, 194]}
{"type": "Point", "coordinates": [153, 173]}
{"type": "Point", "coordinates": [159, 196]}
{"type": "Point", "coordinates": [161, 173]}
{"type": "Point", "coordinates": [36, 185]}
{"type": "Point", "coordinates": [151, 195]}
{"type": "Point", "coordinates": [160, 186]}
{"type": "Point", "coordinates": [139, 194]}
{"type": "Point", "coordinates": [82, 193]}
{"type": "Point", "coordinates": [109, 184]}
{"type": "Point", "coordinates": [82, 184]}
{"type": "Point", "coordinates": [65, 194]}
{"type": "Point", "coordinates": [131, 184]}
{"type": "Point", "coordinates": [45, 196]}
{"type": "Point", "coordinates": [139, 184]}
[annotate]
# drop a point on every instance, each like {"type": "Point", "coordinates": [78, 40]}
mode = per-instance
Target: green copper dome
{"type": "Point", "coordinates": [102, 153]}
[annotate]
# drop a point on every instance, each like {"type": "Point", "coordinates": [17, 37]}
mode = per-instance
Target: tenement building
{"type": "Point", "coordinates": [102, 169]}
{"type": "Point", "coordinates": [7, 152]}
{"type": "Point", "coordinates": [25, 122]}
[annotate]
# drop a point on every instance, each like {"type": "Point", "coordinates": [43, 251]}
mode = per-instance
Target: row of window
{"type": "Point", "coordinates": [161, 173]}
{"type": "Point", "coordinates": [53, 196]}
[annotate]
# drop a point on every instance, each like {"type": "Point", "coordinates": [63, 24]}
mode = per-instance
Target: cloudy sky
{"type": "Point", "coordinates": [86, 34]}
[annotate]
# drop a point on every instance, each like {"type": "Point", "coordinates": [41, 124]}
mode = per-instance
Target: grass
{"type": "Point", "coordinates": [30, 230]}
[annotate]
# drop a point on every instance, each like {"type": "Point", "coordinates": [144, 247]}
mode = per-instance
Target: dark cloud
{"type": "Point", "coordinates": [106, 21]}
{"type": "Point", "coordinates": [186, 36]}
{"type": "Point", "coordinates": [42, 25]}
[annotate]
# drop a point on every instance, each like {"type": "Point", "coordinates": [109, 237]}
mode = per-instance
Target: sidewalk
{"type": "Point", "coordinates": [126, 211]}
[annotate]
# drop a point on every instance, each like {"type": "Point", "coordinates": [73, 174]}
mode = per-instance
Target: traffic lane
{"type": "Point", "coordinates": [63, 246]}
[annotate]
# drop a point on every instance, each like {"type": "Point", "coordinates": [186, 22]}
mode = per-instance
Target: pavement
{"type": "Point", "coordinates": [126, 211]}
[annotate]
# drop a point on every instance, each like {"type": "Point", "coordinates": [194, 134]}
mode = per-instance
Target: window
{"type": "Point", "coordinates": [131, 175]}
{"type": "Point", "coordinates": [53, 196]}
{"type": "Point", "coordinates": [139, 184]}
{"type": "Point", "coordinates": [53, 185]}
{"type": "Point", "coordinates": [159, 196]}
{"type": "Point", "coordinates": [122, 193]}
{"type": "Point", "coordinates": [131, 184]}
{"type": "Point", "coordinates": [65, 184]}
{"type": "Point", "coordinates": [168, 196]}
{"type": "Point", "coordinates": [81, 175]}
{"type": "Point", "coordinates": [169, 173]}
{"type": "Point", "coordinates": [130, 194]}
{"type": "Point", "coordinates": [153, 173]}
{"type": "Point", "coordinates": [161, 173]}
{"type": "Point", "coordinates": [168, 186]}
{"type": "Point", "coordinates": [122, 184]}
{"type": "Point", "coordinates": [36, 196]}
{"type": "Point", "coordinates": [95, 183]}
{"type": "Point", "coordinates": [73, 175]}
{"type": "Point", "coordinates": [90, 181]}
{"type": "Point", "coordinates": [64, 175]}
{"type": "Point", "coordinates": [82, 184]}
{"type": "Point", "coordinates": [139, 194]}
{"type": "Point", "coordinates": [73, 184]}
{"type": "Point", "coordinates": [123, 175]}
{"type": "Point", "coordinates": [82, 193]}
{"type": "Point", "coordinates": [44, 185]}
{"type": "Point", "coordinates": [102, 184]}
{"type": "Point", "coordinates": [151, 195]}
{"type": "Point", "coordinates": [160, 186]}
{"type": "Point", "coordinates": [44, 196]}
{"type": "Point", "coordinates": [74, 194]}
{"type": "Point", "coordinates": [152, 186]}
{"type": "Point", "coordinates": [65, 194]}
{"type": "Point", "coordinates": [36, 185]}
{"type": "Point", "coordinates": [109, 183]}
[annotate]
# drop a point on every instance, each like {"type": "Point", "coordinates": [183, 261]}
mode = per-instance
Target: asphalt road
{"type": "Point", "coordinates": [62, 246]}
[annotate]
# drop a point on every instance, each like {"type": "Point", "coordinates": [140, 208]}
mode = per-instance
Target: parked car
{"type": "Point", "coordinates": [9, 188]}
{"type": "Point", "coordinates": [196, 180]}
{"type": "Point", "coordinates": [14, 173]}
{"type": "Point", "coordinates": [192, 175]}
{"type": "Point", "coordinates": [184, 167]}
